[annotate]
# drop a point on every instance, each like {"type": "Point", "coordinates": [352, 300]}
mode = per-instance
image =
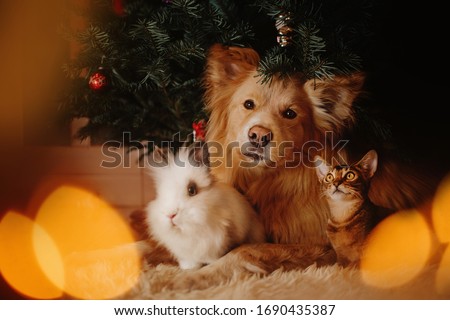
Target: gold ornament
{"type": "Point", "coordinates": [282, 24]}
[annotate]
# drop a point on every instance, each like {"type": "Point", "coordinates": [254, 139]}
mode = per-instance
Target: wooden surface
{"type": "Point", "coordinates": [29, 174]}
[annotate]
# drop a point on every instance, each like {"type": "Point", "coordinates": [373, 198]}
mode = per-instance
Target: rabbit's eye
{"type": "Point", "coordinates": [192, 189]}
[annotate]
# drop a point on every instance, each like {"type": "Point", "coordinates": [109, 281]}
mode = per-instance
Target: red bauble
{"type": "Point", "coordinates": [98, 80]}
{"type": "Point", "coordinates": [118, 7]}
{"type": "Point", "coordinates": [199, 130]}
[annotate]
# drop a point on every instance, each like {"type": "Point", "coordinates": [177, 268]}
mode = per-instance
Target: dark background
{"type": "Point", "coordinates": [407, 78]}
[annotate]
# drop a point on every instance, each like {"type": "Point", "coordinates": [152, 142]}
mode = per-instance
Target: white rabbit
{"type": "Point", "coordinates": [195, 217]}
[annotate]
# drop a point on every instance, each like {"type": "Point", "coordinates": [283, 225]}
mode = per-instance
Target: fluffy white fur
{"type": "Point", "coordinates": [197, 229]}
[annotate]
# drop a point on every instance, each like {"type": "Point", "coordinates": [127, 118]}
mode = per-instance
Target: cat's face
{"type": "Point", "coordinates": [344, 183]}
{"type": "Point", "coordinates": [348, 182]}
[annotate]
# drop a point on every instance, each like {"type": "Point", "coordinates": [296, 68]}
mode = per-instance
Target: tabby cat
{"type": "Point", "coordinates": [353, 215]}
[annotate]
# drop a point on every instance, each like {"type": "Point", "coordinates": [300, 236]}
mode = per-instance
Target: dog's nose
{"type": "Point", "coordinates": [259, 136]}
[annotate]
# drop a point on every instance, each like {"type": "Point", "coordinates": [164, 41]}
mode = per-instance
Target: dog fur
{"type": "Point", "coordinates": [284, 188]}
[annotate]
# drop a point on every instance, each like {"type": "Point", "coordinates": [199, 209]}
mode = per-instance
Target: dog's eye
{"type": "Point", "coordinates": [249, 104]}
{"type": "Point", "coordinates": [289, 114]}
{"type": "Point", "coordinates": [192, 189]}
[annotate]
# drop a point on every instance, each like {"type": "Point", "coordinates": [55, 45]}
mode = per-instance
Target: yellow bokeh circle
{"type": "Point", "coordinates": [100, 260]}
{"type": "Point", "coordinates": [18, 262]}
{"type": "Point", "coordinates": [441, 211]}
{"type": "Point", "coordinates": [397, 250]}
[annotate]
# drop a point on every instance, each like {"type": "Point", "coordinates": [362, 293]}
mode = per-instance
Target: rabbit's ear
{"type": "Point", "coordinates": [159, 157]}
{"type": "Point", "coordinates": [199, 154]}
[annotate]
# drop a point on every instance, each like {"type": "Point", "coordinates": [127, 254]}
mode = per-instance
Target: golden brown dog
{"type": "Point", "coordinates": [267, 135]}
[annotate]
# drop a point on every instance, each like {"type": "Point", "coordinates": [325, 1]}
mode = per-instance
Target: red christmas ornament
{"type": "Point", "coordinates": [98, 80]}
{"type": "Point", "coordinates": [118, 7]}
{"type": "Point", "coordinates": [199, 130]}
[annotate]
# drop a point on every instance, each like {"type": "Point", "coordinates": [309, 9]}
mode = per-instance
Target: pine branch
{"type": "Point", "coordinates": [190, 7]}
{"type": "Point", "coordinates": [155, 55]}
{"type": "Point", "coordinates": [183, 51]}
{"type": "Point", "coordinates": [275, 62]}
{"type": "Point", "coordinates": [150, 31]}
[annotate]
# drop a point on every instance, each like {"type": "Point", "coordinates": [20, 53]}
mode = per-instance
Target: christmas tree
{"type": "Point", "coordinates": [141, 61]}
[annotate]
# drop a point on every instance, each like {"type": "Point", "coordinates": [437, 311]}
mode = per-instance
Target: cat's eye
{"type": "Point", "coordinates": [350, 176]}
{"type": "Point", "coordinates": [192, 189]}
{"type": "Point", "coordinates": [329, 177]}
{"type": "Point", "coordinates": [289, 114]}
{"type": "Point", "coordinates": [249, 104]}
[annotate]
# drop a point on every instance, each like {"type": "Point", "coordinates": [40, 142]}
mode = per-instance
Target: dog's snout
{"type": "Point", "coordinates": [259, 136]}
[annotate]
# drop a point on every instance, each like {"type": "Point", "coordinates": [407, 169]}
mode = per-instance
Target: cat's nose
{"type": "Point", "coordinates": [259, 136]}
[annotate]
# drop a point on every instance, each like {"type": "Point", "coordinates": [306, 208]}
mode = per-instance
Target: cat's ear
{"type": "Point", "coordinates": [322, 167]}
{"type": "Point", "coordinates": [369, 163]}
{"type": "Point", "coordinates": [227, 63]}
{"type": "Point", "coordinates": [332, 100]}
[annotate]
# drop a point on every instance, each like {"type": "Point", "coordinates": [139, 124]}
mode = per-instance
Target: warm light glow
{"type": "Point", "coordinates": [443, 274]}
{"type": "Point", "coordinates": [441, 211]}
{"type": "Point", "coordinates": [95, 243]}
{"type": "Point", "coordinates": [78, 245]}
{"type": "Point", "coordinates": [441, 224]}
{"type": "Point", "coordinates": [397, 250]}
{"type": "Point", "coordinates": [48, 256]}
{"type": "Point", "coordinates": [18, 262]}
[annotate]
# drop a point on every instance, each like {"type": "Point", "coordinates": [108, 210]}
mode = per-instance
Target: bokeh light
{"type": "Point", "coordinates": [18, 262]}
{"type": "Point", "coordinates": [441, 224]}
{"type": "Point", "coordinates": [397, 250]}
{"type": "Point", "coordinates": [78, 246]}
{"type": "Point", "coordinates": [90, 235]}
{"type": "Point", "coordinates": [443, 274]}
{"type": "Point", "coordinates": [441, 211]}
{"type": "Point", "coordinates": [48, 256]}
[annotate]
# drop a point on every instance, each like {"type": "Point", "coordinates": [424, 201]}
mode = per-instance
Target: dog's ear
{"type": "Point", "coordinates": [228, 63]}
{"type": "Point", "coordinates": [332, 100]}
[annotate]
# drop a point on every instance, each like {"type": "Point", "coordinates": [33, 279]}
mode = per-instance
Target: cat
{"type": "Point", "coordinates": [352, 215]}
{"type": "Point", "coordinates": [195, 217]}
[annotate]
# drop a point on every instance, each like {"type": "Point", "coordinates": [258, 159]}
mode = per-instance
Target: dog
{"type": "Point", "coordinates": [276, 129]}
{"type": "Point", "coordinates": [262, 138]}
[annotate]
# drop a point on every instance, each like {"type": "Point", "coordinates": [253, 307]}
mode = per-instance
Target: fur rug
{"type": "Point", "coordinates": [323, 283]}
{"type": "Point", "coordinates": [166, 281]}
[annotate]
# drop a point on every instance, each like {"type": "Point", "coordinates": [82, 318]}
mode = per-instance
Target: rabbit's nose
{"type": "Point", "coordinates": [171, 216]}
